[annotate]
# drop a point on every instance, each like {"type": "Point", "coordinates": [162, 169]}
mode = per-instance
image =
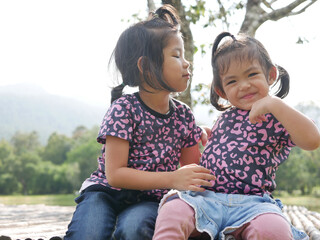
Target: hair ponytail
{"type": "Point", "coordinates": [215, 100]}
{"type": "Point", "coordinates": [217, 42]}
{"type": "Point", "coordinates": [284, 84]}
{"type": "Point", "coordinates": [216, 83]}
{"type": "Point", "coordinates": [116, 92]}
{"type": "Point", "coordinates": [168, 14]}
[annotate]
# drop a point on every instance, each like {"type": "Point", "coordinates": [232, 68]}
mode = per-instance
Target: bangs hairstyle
{"type": "Point", "coordinates": [241, 49]}
{"type": "Point", "coordinates": [146, 39]}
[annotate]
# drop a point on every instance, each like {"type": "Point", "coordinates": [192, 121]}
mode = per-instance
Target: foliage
{"type": "Point", "coordinates": [27, 167]}
{"type": "Point", "coordinates": [56, 149]}
{"type": "Point", "coordinates": [25, 142]}
{"type": "Point", "coordinates": [300, 172]}
{"type": "Point", "coordinates": [85, 155]}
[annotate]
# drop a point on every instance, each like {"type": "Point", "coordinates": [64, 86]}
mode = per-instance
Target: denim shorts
{"type": "Point", "coordinates": [219, 214]}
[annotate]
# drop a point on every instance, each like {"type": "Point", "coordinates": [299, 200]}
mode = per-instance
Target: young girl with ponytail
{"type": "Point", "coordinates": [144, 137]}
{"type": "Point", "coordinates": [248, 142]}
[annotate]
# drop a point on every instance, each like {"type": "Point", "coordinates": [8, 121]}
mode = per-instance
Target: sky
{"type": "Point", "coordinates": [64, 46]}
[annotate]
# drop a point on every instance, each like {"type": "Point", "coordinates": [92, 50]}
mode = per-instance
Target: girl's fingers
{"type": "Point", "coordinates": [202, 169]}
{"type": "Point", "coordinates": [206, 184]}
{"type": "Point", "coordinates": [199, 186]}
{"type": "Point", "coordinates": [205, 176]}
{"type": "Point", "coordinates": [196, 188]}
{"type": "Point", "coordinates": [257, 119]}
{"type": "Point", "coordinates": [201, 182]}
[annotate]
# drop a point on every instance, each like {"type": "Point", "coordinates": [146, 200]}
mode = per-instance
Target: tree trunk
{"type": "Point", "coordinates": [151, 6]}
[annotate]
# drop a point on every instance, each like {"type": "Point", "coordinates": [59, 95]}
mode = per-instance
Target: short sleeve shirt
{"type": "Point", "coordinates": [243, 156]}
{"type": "Point", "coordinates": [155, 140]}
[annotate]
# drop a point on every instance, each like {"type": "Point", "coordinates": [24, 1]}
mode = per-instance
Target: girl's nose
{"type": "Point", "coordinates": [186, 63]}
{"type": "Point", "coordinates": [245, 85]}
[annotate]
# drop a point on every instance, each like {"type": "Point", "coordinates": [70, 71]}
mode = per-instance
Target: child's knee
{"type": "Point", "coordinates": [177, 206]}
{"type": "Point", "coordinates": [268, 226]}
{"type": "Point", "coordinates": [175, 220]}
{"type": "Point", "coordinates": [175, 212]}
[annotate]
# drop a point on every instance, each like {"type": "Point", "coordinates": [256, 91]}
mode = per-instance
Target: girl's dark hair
{"type": "Point", "coordinates": [241, 48]}
{"type": "Point", "coordinates": [145, 39]}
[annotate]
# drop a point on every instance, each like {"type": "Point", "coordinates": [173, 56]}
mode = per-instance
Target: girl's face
{"type": "Point", "coordinates": [175, 68]}
{"type": "Point", "coordinates": [244, 83]}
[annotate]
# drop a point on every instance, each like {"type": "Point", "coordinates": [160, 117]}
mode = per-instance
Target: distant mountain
{"type": "Point", "coordinates": [27, 108]}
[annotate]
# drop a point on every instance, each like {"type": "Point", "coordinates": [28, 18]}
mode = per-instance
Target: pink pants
{"type": "Point", "coordinates": [176, 221]}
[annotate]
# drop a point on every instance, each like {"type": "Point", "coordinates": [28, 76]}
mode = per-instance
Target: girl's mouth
{"type": "Point", "coordinates": [248, 96]}
{"type": "Point", "coordinates": [186, 76]}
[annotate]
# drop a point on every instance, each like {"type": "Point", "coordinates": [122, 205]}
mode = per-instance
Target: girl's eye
{"type": "Point", "coordinates": [252, 74]}
{"type": "Point", "coordinates": [176, 54]}
{"type": "Point", "coordinates": [231, 82]}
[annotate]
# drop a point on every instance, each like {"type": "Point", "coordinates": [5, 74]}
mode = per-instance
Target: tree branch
{"type": "Point", "coordinates": [256, 16]}
{"type": "Point", "coordinates": [288, 10]}
{"type": "Point", "coordinates": [223, 13]}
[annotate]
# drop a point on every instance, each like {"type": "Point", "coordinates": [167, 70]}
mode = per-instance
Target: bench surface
{"type": "Point", "coordinates": [34, 222]}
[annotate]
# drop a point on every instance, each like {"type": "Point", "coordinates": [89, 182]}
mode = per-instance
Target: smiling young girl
{"type": "Point", "coordinates": [249, 141]}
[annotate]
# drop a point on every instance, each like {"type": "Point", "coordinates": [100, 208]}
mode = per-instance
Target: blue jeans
{"type": "Point", "coordinates": [110, 214]}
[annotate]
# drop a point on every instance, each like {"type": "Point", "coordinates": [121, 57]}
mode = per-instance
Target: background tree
{"type": "Point", "coordinates": [83, 156]}
{"type": "Point", "coordinates": [7, 179]}
{"type": "Point", "coordinates": [25, 142]}
{"type": "Point", "coordinates": [300, 172]}
{"type": "Point", "coordinates": [56, 149]}
{"type": "Point", "coordinates": [24, 168]}
{"type": "Point", "coordinates": [59, 167]}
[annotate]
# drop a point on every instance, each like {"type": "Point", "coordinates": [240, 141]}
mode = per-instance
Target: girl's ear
{"type": "Point", "coordinates": [220, 93]}
{"type": "Point", "coordinates": [272, 75]}
{"type": "Point", "coordinates": [139, 64]}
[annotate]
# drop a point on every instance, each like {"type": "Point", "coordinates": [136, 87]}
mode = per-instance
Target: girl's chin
{"type": "Point", "coordinates": [245, 106]}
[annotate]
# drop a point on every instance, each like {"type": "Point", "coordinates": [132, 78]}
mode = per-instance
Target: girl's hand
{"type": "Point", "coordinates": [192, 177]}
{"type": "Point", "coordinates": [259, 109]}
{"type": "Point", "coordinates": [206, 132]}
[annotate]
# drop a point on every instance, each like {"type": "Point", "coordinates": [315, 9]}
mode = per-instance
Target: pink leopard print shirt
{"type": "Point", "coordinates": [155, 140]}
{"type": "Point", "coordinates": [243, 156]}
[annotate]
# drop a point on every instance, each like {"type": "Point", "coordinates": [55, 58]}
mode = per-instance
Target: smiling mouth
{"type": "Point", "coordinates": [248, 96]}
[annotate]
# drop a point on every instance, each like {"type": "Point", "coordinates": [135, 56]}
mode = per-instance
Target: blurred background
{"type": "Point", "coordinates": [55, 85]}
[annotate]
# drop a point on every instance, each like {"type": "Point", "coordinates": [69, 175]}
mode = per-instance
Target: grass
{"type": "Point", "coordinates": [56, 199]}
{"type": "Point", "coordinates": [310, 202]}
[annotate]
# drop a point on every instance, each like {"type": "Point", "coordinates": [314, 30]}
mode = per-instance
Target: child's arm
{"type": "Point", "coordinates": [303, 132]}
{"type": "Point", "coordinates": [190, 155]}
{"type": "Point", "coordinates": [119, 175]}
